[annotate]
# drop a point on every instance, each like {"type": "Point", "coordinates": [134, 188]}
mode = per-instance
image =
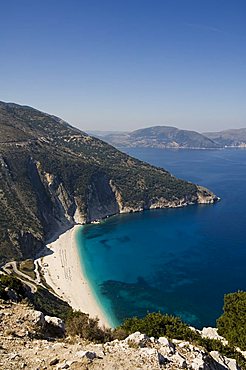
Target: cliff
{"type": "Point", "coordinates": [53, 176]}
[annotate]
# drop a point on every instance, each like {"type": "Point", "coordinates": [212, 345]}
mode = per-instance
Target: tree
{"type": "Point", "coordinates": [232, 324]}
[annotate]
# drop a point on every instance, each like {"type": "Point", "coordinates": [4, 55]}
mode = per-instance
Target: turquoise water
{"type": "Point", "coordinates": [179, 261]}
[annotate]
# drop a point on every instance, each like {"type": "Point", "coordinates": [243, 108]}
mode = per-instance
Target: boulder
{"type": "Point", "coordinates": [227, 363]}
{"type": "Point", "coordinates": [37, 318]}
{"type": "Point", "coordinates": [55, 321]}
{"type": "Point", "coordinates": [211, 333]}
{"type": "Point", "coordinates": [167, 347]}
{"type": "Point", "coordinates": [198, 364]}
{"type": "Point", "coordinates": [179, 361]}
{"type": "Point", "coordinates": [139, 339]}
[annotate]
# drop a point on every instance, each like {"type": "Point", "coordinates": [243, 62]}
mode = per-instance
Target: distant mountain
{"type": "Point", "coordinates": [231, 138]}
{"type": "Point", "coordinates": [53, 175]}
{"type": "Point", "coordinates": [161, 137]}
{"type": "Point", "coordinates": [100, 133]}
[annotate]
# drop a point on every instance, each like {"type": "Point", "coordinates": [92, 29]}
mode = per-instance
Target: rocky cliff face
{"type": "Point", "coordinates": [53, 175]}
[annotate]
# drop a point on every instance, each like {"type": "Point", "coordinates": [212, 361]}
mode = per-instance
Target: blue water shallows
{"type": "Point", "coordinates": [177, 261]}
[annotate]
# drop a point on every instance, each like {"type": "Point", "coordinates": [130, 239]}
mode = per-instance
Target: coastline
{"type": "Point", "coordinates": [64, 273]}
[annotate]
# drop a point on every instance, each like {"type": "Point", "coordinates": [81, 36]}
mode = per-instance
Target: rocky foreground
{"type": "Point", "coordinates": [23, 347]}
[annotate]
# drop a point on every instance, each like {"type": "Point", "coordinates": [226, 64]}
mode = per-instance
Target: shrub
{"type": "Point", "coordinates": [232, 324]}
{"type": "Point", "coordinates": [8, 281]}
{"type": "Point", "coordinates": [49, 304]}
{"type": "Point", "coordinates": [79, 323]}
{"type": "Point", "coordinates": [3, 294]}
{"type": "Point", "coordinates": [157, 325]}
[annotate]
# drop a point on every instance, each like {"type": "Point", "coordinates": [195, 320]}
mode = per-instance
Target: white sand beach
{"type": "Point", "coordinates": [63, 273]}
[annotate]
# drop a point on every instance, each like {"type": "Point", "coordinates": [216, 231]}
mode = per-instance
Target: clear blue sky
{"type": "Point", "coordinates": [126, 64]}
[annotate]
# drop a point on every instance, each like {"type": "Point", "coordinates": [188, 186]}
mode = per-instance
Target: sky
{"type": "Point", "coordinates": [127, 64]}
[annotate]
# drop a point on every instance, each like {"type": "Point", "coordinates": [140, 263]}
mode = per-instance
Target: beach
{"type": "Point", "coordinates": [63, 272]}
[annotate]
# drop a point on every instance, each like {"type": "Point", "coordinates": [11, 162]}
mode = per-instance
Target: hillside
{"type": "Point", "coordinates": [53, 175]}
{"type": "Point", "coordinates": [160, 137]}
{"type": "Point", "coordinates": [232, 137]}
{"type": "Point", "coordinates": [26, 345]}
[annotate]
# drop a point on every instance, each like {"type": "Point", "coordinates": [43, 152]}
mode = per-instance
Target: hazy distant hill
{"type": "Point", "coordinates": [161, 137]}
{"type": "Point", "coordinates": [53, 175]}
{"type": "Point", "coordinates": [232, 137]}
{"type": "Point", "coordinates": [100, 133]}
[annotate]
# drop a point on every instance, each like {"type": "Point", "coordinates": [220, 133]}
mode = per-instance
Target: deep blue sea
{"type": "Point", "coordinates": [177, 261]}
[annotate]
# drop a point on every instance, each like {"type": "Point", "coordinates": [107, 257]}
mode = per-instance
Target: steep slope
{"type": "Point", "coordinates": [160, 137]}
{"type": "Point", "coordinates": [53, 175]}
{"type": "Point", "coordinates": [233, 137]}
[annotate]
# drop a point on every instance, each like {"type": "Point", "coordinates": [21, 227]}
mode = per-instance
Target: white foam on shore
{"type": "Point", "coordinates": [64, 273]}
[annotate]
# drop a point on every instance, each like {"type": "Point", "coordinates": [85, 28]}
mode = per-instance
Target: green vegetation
{"type": "Point", "coordinates": [232, 324]}
{"type": "Point", "coordinates": [49, 304]}
{"type": "Point", "coordinates": [79, 323]}
{"type": "Point", "coordinates": [35, 146]}
{"type": "Point", "coordinates": [159, 325]}
{"type": "Point", "coordinates": [10, 282]}
{"type": "Point", "coordinates": [27, 267]}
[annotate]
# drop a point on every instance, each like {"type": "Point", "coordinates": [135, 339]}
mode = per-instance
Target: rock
{"type": "Point", "coordinates": [198, 359]}
{"type": "Point", "coordinates": [242, 352]}
{"type": "Point", "coordinates": [54, 361]}
{"type": "Point", "coordinates": [167, 346]}
{"type": "Point", "coordinates": [71, 362]}
{"type": "Point", "coordinates": [56, 321]}
{"type": "Point", "coordinates": [63, 366]}
{"type": "Point", "coordinates": [151, 355]}
{"type": "Point", "coordinates": [211, 333]}
{"type": "Point", "coordinates": [138, 338]}
{"type": "Point", "coordinates": [88, 354]}
{"type": "Point", "coordinates": [164, 341]}
{"type": "Point", "coordinates": [37, 318]}
{"type": "Point", "coordinates": [227, 363]}
{"type": "Point", "coordinates": [12, 356]}
{"type": "Point", "coordinates": [179, 360]}
{"type": "Point", "coordinates": [198, 364]}
{"type": "Point", "coordinates": [162, 360]}
{"type": "Point", "coordinates": [195, 330]}
{"type": "Point", "coordinates": [149, 351]}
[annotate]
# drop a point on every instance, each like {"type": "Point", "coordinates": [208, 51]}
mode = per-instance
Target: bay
{"type": "Point", "coordinates": [176, 261]}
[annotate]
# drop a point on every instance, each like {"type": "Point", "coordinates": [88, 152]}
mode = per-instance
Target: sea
{"type": "Point", "coordinates": [177, 261]}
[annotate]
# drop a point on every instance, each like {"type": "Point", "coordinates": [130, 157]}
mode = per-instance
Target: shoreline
{"type": "Point", "coordinates": [63, 272]}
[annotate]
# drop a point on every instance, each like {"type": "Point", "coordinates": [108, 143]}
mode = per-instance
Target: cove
{"type": "Point", "coordinates": [177, 261]}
